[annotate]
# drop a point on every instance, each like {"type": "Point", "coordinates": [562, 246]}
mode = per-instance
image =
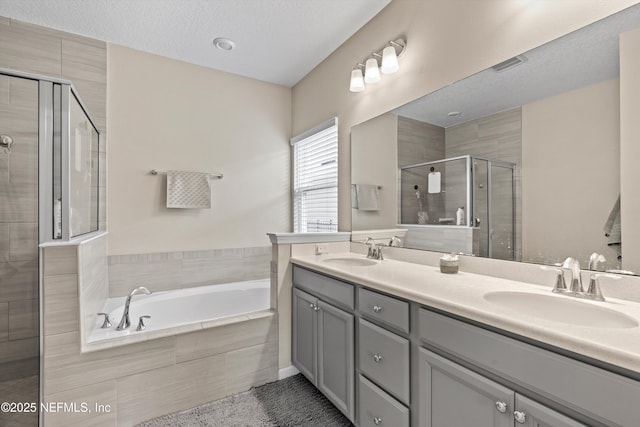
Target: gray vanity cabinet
{"type": "Point", "coordinates": [323, 346]}
{"type": "Point", "coordinates": [451, 395]}
{"type": "Point", "coordinates": [538, 415]}
{"type": "Point", "coordinates": [305, 334]}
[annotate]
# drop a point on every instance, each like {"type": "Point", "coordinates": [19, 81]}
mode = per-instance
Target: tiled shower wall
{"type": "Point", "coordinates": [176, 270]}
{"type": "Point", "coordinates": [38, 50]}
{"type": "Point", "coordinates": [418, 142]}
{"type": "Point", "coordinates": [498, 136]}
{"type": "Point", "coordinates": [19, 329]}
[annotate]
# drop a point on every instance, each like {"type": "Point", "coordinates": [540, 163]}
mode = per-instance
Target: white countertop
{"type": "Point", "coordinates": [462, 294]}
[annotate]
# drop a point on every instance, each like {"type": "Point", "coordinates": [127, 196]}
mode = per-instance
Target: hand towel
{"type": "Point", "coordinates": [188, 190]}
{"type": "Point", "coordinates": [367, 196]}
{"type": "Point", "coordinates": [354, 197]}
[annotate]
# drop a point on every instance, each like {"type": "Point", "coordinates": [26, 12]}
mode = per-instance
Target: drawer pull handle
{"type": "Point", "coordinates": [377, 420]}
{"type": "Point", "coordinates": [377, 308]}
{"type": "Point", "coordinates": [501, 407]}
{"type": "Point", "coordinates": [377, 358]}
{"type": "Point", "coordinates": [520, 417]}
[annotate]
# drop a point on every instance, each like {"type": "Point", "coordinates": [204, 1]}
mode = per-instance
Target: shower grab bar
{"type": "Point", "coordinates": [213, 175]}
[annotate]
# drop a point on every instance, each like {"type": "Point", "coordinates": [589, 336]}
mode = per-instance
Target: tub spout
{"type": "Point", "coordinates": [125, 322]}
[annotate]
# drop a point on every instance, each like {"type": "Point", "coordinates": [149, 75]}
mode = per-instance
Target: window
{"type": "Point", "coordinates": [315, 180]}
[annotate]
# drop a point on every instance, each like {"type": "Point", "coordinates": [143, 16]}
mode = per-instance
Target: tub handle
{"type": "Point", "coordinates": [141, 325]}
{"type": "Point", "coordinates": [106, 324]}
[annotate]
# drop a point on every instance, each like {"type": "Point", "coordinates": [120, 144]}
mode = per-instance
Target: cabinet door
{"type": "Point", "coordinates": [533, 414]}
{"type": "Point", "coordinates": [451, 395]}
{"type": "Point", "coordinates": [335, 357]}
{"type": "Point", "coordinates": [304, 337]}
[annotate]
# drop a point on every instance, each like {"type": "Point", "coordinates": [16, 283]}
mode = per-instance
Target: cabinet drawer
{"type": "Point", "coordinates": [384, 358]}
{"type": "Point", "coordinates": [594, 392]}
{"type": "Point", "coordinates": [381, 308]}
{"type": "Point", "coordinates": [377, 408]}
{"type": "Point", "coordinates": [335, 291]}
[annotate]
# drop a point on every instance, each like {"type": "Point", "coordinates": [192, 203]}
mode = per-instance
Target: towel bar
{"type": "Point", "coordinates": [213, 175]}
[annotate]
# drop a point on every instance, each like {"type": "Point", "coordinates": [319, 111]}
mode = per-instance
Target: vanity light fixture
{"type": "Point", "coordinates": [357, 81]}
{"type": "Point", "coordinates": [384, 60]}
{"type": "Point", "coordinates": [372, 72]}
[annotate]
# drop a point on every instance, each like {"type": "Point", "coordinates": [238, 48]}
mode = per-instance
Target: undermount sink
{"type": "Point", "coordinates": [350, 262]}
{"type": "Point", "coordinates": [562, 309]}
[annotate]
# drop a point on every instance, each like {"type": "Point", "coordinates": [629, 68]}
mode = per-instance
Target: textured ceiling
{"type": "Point", "coordinates": [586, 56]}
{"type": "Point", "coordinates": [277, 41]}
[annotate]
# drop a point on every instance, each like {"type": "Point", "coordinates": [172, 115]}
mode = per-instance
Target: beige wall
{"type": "Point", "coordinates": [446, 41]}
{"type": "Point", "coordinates": [630, 148]}
{"type": "Point", "coordinates": [376, 141]}
{"type": "Point", "coordinates": [166, 114]}
{"type": "Point", "coordinates": [570, 164]}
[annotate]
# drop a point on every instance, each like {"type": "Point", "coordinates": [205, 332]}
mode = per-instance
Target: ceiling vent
{"type": "Point", "coordinates": [510, 63]}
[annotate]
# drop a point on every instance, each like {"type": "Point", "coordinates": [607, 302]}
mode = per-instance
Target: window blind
{"type": "Point", "coordinates": [315, 181]}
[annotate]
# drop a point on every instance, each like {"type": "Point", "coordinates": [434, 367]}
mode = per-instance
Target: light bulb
{"type": "Point", "coordinates": [357, 82]}
{"type": "Point", "coordinates": [389, 60]}
{"type": "Point", "coordinates": [372, 72]}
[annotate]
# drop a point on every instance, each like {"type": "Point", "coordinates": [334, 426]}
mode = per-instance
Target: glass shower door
{"type": "Point", "coordinates": [19, 271]}
{"type": "Point", "coordinates": [502, 212]}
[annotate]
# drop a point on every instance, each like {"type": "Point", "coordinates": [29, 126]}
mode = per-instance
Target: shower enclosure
{"type": "Point", "coordinates": [466, 203]}
{"type": "Point", "coordinates": [48, 192]}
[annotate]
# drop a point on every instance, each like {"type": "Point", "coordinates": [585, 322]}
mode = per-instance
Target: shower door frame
{"type": "Point", "coordinates": [506, 165]}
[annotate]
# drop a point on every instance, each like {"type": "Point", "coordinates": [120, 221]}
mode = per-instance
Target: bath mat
{"type": "Point", "coordinates": [289, 402]}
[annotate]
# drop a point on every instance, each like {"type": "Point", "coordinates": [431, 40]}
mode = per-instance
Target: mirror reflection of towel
{"type": "Point", "coordinates": [366, 197]}
{"type": "Point", "coordinates": [612, 228]}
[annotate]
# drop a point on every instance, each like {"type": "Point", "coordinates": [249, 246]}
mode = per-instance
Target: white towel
{"type": "Point", "coordinates": [188, 190]}
{"type": "Point", "coordinates": [367, 196]}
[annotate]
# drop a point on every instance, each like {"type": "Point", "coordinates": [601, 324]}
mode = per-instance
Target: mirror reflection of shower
{"type": "Point", "coordinates": [465, 193]}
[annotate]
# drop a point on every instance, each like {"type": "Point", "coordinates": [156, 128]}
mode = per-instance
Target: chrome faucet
{"type": "Point", "coordinates": [375, 250]}
{"type": "Point", "coordinates": [594, 260]}
{"type": "Point", "coordinates": [593, 291]}
{"type": "Point", "coordinates": [125, 322]}
{"type": "Point", "coordinates": [395, 241]}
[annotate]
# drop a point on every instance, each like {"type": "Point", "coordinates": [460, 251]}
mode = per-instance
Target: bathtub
{"type": "Point", "coordinates": [182, 310]}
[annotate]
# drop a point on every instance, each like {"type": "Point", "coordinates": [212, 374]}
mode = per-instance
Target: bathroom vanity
{"type": "Point", "coordinates": [396, 344]}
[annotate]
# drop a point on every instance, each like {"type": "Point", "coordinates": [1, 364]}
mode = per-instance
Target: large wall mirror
{"type": "Point", "coordinates": [518, 162]}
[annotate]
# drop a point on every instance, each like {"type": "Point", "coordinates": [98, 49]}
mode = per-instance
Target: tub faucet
{"type": "Point", "coordinates": [125, 322]}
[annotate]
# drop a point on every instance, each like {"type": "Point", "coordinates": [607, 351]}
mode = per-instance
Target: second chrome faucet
{"type": "Point", "coordinates": [576, 289]}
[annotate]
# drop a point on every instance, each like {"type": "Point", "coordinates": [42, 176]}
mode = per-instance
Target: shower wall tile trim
{"type": "Point", "coordinates": [177, 270]}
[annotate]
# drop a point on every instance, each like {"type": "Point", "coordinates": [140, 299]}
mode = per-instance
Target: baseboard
{"type": "Point", "coordinates": [289, 371]}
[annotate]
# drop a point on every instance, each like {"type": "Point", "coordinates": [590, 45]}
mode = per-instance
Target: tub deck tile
{"type": "Point", "coordinates": [226, 338]}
